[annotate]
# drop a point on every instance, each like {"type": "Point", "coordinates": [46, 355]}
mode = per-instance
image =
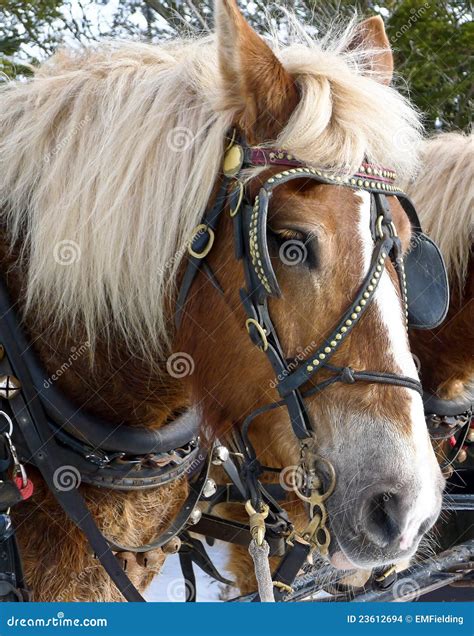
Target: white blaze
{"type": "Point", "coordinates": [420, 454]}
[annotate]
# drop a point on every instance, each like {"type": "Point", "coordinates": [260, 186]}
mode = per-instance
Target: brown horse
{"type": "Point", "coordinates": [444, 196]}
{"type": "Point", "coordinates": [108, 161]}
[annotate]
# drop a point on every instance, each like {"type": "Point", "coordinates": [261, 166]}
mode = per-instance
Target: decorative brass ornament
{"type": "Point", "coordinates": [233, 160]}
{"type": "Point", "coordinates": [10, 387]}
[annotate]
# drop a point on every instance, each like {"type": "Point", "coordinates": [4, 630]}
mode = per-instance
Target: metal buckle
{"type": "Point", "coordinates": [261, 332]}
{"type": "Point", "coordinates": [201, 229]}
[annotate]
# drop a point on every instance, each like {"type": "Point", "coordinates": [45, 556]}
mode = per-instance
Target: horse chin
{"type": "Point", "coordinates": [340, 561]}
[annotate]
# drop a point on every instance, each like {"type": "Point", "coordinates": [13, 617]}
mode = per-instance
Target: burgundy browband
{"type": "Point", "coordinates": [259, 156]}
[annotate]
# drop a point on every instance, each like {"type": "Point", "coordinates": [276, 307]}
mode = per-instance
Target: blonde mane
{"type": "Point", "coordinates": [444, 197]}
{"type": "Point", "coordinates": [108, 158]}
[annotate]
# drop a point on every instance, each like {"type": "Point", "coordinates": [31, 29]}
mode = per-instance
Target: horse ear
{"type": "Point", "coordinates": [371, 35]}
{"type": "Point", "coordinates": [256, 84]}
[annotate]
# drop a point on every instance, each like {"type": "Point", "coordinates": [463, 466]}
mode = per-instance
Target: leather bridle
{"type": "Point", "coordinates": [250, 225]}
{"type": "Point", "coordinates": [249, 216]}
{"type": "Point", "coordinates": [50, 431]}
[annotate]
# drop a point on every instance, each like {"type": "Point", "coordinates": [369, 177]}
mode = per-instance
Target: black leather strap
{"type": "Point", "coordinates": [111, 437]}
{"type": "Point", "coordinates": [33, 427]}
{"type": "Point", "coordinates": [194, 264]}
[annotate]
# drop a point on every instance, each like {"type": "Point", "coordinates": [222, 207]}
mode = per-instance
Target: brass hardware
{"type": "Point", "coordinates": [9, 387]}
{"type": "Point", "coordinates": [261, 331]}
{"type": "Point", "coordinates": [316, 532]}
{"type": "Point", "coordinates": [233, 211]}
{"type": "Point", "coordinates": [283, 586]}
{"type": "Point", "coordinates": [257, 521]}
{"type": "Point", "coordinates": [391, 570]}
{"type": "Point", "coordinates": [379, 226]}
{"type": "Point", "coordinates": [233, 160]}
{"type": "Point", "coordinates": [197, 230]}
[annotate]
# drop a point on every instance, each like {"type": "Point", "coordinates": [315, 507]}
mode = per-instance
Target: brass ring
{"type": "Point", "coordinates": [261, 332]}
{"type": "Point", "coordinates": [202, 228]}
{"type": "Point", "coordinates": [332, 475]}
{"type": "Point", "coordinates": [233, 211]}
{"type": "Point", "coordinates": [323, 547]}
{"type": "Point", "coordinates": [393, 228]}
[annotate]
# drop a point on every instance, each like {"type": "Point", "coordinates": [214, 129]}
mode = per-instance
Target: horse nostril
{"type": "Point", "coordinates": [381, 520]}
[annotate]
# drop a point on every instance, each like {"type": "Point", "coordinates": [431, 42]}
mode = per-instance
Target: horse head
{"type": "Point", "coordinates": [324, 109]}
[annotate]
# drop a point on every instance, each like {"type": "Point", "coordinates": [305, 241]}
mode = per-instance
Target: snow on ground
{"type": "Point", "coordinates": [169, 585]}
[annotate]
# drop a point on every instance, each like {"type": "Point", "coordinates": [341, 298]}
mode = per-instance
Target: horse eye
{"type": "Point", "coordinates": [295, 247]}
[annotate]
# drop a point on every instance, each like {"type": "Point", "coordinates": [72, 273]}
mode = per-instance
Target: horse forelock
{"type": "Point", "coordinates": [109, 157]}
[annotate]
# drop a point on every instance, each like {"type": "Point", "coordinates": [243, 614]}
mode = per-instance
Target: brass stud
{"type": "Point", "coordinates": [343, 329]}
{"type": "Point", "coordinates": [366, 295]}
{"type": "Point", "coordinates": [348, 323]}
{"type": "Point", "coordinates": [322, 356]}
{"type": "Point", "coordinates": [354, 316]}
{"type": "Point", "coordinates": [363, 302]}
{"type": "Point", "coordinates": [358, 309]}
{"type": "Point", "coordinates": [309, 368]}
{"type": "Point", "coordinates": [316, 362]}
{"type": "Point", "coordinates": [338, 336]}
{"type": "Point", "coordinates": [360, 182]}
{"type": "Point", "coordinates": [370, 288]}
{"type": "Point", "coordinates": [333, 343]}
{"type": "Point", "coordinates": [376, 274]}
{"type": "Point", "coordinates": [327, 349]}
